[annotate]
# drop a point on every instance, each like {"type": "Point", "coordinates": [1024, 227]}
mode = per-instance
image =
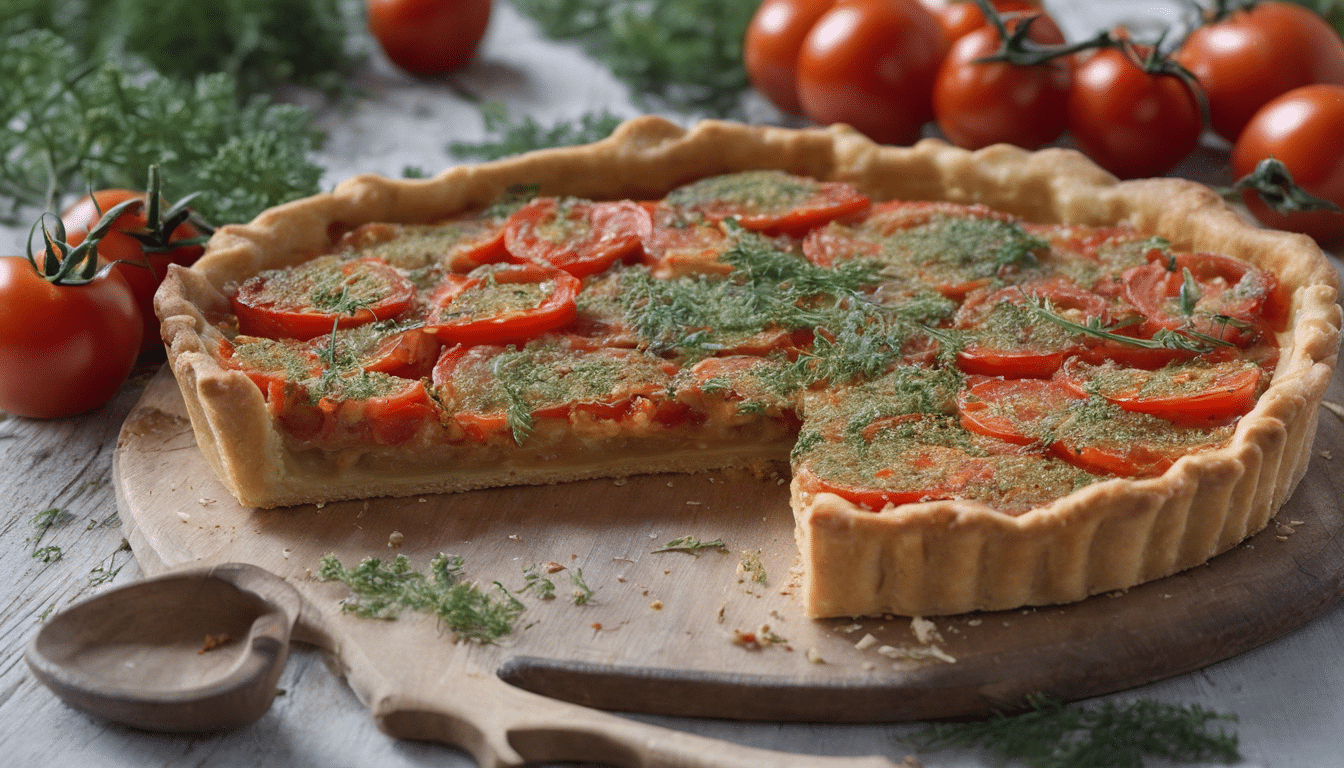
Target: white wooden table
{"type": "Point", "coordinates": [1285, 694]}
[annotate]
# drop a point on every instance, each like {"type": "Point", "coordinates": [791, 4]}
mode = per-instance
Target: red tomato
{"type": "Point", "coordinates": [770, 51]}
{"type": "Point", "coordinates": [323, 294]}
{"type": "Point", "coordinates": [503, 305]}
{"type": "Point", "coordinates": [64, 349]}
{"type": "Point", "coordinates": [1231, 300]}
{"type": "Point", "coordinates": [681, 244]}
{"type": "Point", "coordinates": [959, 19]}
{"type": "Point", "coordinates": [1301, 129]}
{"type": "Point", "coordinates": [978, 103]}
{"type": "Point", "coordinates": [1017, 411]}
{"type": "Point", "coordinates": [120, 244]}
{"type": "Point", "coordinates": [1190, 394]}
{"type": "Point", "coordinates": [772, 202]}
{"type": "Point", "coordinates": [427, 37]}
{"type": "Point", "coordinates": [871, 64]}
{"type": "Point", "coordinates": [1131, 122]}
{"type": "Point", "coordinates": [1252, 56]}
{"type": "Point", "coordinates": [579, 236]}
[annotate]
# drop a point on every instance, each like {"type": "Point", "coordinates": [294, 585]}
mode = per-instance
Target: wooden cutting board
{"type": "Point", "coordinates": [663, 631]}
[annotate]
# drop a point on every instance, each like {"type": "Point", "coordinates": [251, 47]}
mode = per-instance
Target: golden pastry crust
{"type": "Point", "coordinates": [930, 558]}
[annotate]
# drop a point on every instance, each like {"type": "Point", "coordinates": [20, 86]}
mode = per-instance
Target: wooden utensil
{"type": "Point", "coordinates": [202, 650]}
{"type": "Point", "coordinates": [193, 650]}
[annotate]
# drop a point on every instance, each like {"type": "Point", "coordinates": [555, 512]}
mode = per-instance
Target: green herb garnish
{"type": "Point", "coordinates": [539, 585]}
{"type": "Point", "coordinates": [1185, 340]}
{"type": "Point", "coordinates": [691, 545]}
{"type": "Point", "coordinates": [73, 124]}
{"type": "Point", "coordinates": [1111, 735]}
{"type": "Point", "coordinates": [582, 592]}
{"type": "Point", "coordinates": [383, 590]}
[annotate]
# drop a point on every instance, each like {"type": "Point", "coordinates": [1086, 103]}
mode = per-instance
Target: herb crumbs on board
{"type": "Point", "coordinates": [692, 545]}
{"type": "Point", "coordinates": [384, 589]}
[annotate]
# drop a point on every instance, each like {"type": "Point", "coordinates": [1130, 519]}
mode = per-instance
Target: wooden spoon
{"type": "Point", "coordinates": [193, 650]}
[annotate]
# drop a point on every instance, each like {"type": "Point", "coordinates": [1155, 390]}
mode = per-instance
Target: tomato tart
{"type": "Point", "coordinates": [999, 378]}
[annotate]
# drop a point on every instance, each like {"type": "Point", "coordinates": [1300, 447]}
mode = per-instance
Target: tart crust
{"type": "Point", "coordinates": [930, 558]}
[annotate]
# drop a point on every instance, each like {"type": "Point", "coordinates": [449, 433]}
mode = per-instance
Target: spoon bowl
{"type": "Point", "coordinates": [193, 650]}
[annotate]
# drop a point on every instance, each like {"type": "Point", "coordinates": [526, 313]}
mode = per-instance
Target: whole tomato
{"type": "Point", "coordinates": [429, 37]}
{"type": "Point", "coordinates": [1250, 56]}
{"type": "Point", "coordinates": [1130, 118]}
{"type": "Point", "coordinates": [978, 102]}
{"type": "Point", "coordinates": [1302, 129]}
{"type": "Point", "coordinates": [69, 333]}
{"type": "Point", "coordinates": [146, 248]}
{"type": "Point", "coordinates": [959, 19]}
{"type": "Point", "coordinates": [871, 64]}
{"type": "Point", "coordinates": [771, 47]}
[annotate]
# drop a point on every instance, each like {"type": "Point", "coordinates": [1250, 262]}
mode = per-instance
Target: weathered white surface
{"type": "Point", "coordinates": [1285, 694]}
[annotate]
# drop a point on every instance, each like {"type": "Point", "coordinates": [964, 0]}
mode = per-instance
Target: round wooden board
{"type": "Point", "coordinates": [661, 634]}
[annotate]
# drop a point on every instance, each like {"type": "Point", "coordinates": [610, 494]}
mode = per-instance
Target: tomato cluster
{"type": "Point", "coordinates": [890, 67]}
{"type": "Point", "coordinates": [77, 314]}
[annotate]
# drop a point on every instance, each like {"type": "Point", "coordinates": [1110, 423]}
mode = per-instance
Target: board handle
{"type": "Point", "coordinates": [506, 727]}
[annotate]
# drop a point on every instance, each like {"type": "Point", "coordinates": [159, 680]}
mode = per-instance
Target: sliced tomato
{"type": "Point", "coordinates": [952, 248]}
{"type": "Point", "coordinates": [1019, 411]}
{"type": "Point", "coordinates": [1006, 339]}
{"type": "Point", "coordinates": [504, 304]}
{"type": "Point", "coordinates": [482, 384]}
{"type": "Point", "coordinates": [323, 294]}
{"type": "Point", "coordinates": [459, 245]}
{"type": "Point", "coordinates": [408, 353]}
{"type": "Point", "coordinates": [682, 242]}
{"type": "Point", "coordinates": [867, 494]}
{"type": "Point", "coordinates": [581, 237]}
{"type": "Point", "coordinates": [1192, 394]}
{"type": "Point", "coordinates": [389, 418]}
{"type": "Point", "coordinates": [1224, 298]}
{"type": "Point", "coordinates": [273, 365]}
{"type": "Point", "coordinates": [772, 202]}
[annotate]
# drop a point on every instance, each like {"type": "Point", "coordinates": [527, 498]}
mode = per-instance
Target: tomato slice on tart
{"type": "Point", "coordinates": [492, 390]}
{"type": "Point", "coordinates": [273, 365]}
{"type": "Point", "coordinates": [328, 292]}
{"type": "Point", "coordinates": [1019, 411]}
{"type": "Point", "coordinates": [497, 304]}
{"type": "Point", "coordinates": [457, 245]}
{"type": "Point", "coordinates": [1208, 294]}
{"type": "Point", "coordinates": [360, 408]}
{"type": "Point", "coordinates": [952, 248]}
{"type": "Point", "coordinates": [391, 348]}
{"type": "Point", "coordinates": [582, 237]}
{"type": "Point", "coordinates": [1193, 393]}
{"type": "Point", "coordinates": [1005, 337]}
{"type": "Point", "coordinates": [684, 242]}
{"type": "Point", "coordinates": [773, 202]}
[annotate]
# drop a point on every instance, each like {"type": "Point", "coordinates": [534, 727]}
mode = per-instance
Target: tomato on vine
{"type": "Point", "coordinates": [1246, 54]}
{"type": "Point", "coordinates": [959, 19]}
{"type": "Point", "coordinates": [69, 329]}
{"type": "Point", "coordinates": [1132, 111]}
{"type": "Point", "coordinates": [1006, 82]}
{"type": "Point", "coordinates": [871, 64]}
{"type": "Point", "coordinates": [1290, 155]}
{"type": "Point", "coordinates": [429, 37]}
{"type": "Point", "coordinates": [142, 242]}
